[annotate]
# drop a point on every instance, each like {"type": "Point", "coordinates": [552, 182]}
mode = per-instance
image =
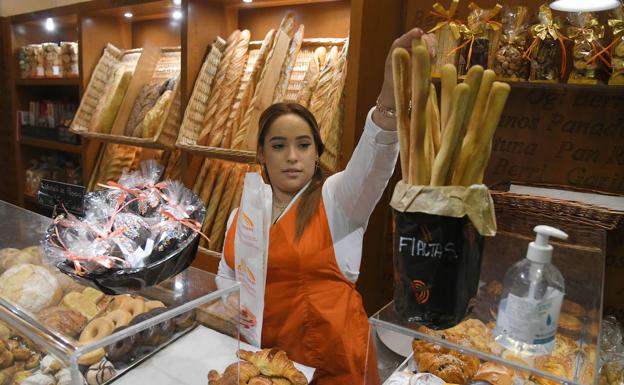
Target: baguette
{"type": "Point", "coordinates": [473, 79]}
{"type": "Point", "coordinates": [440, 175]}
{"type": "Point", "coordinates": [199, 182]}
{"type": "Point", "coordinates": [217, 90]}
{"type": "Point", "coordinates": [223, 212]}
{"type": "Point", "coordinates": [211, 175]}
{"type": "Point", "coordinates": [449, 81]}
{"type": "Point", "coordinates": [419, 173]}
{"type": "Point", "coordinates": [240, 133]}
{"type": "Point", "coordinates": [233, 76]}
{"type": "Point", "coordinates": [475, 125]}
{"type": "Point", "coordinates": [311, 77]}
{"type": "Point", "coordinates": [432, 135]}
{"type": "Point", "coordinates": [401, 78]}
{"type": "Point", "coordinates": [289, 64]}
{"type": "Point", "coordinates": [480, 149]}
{"type": "Point", "coordinates": [216, 198]}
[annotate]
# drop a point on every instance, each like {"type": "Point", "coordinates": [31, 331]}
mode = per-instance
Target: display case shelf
{"type": "Point", "coordinates": [197, 306]}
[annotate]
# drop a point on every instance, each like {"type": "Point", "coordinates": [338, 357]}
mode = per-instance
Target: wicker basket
{"type": "Point", "coordinates": [552, 209]}
{"type": "Point", "coordinates": [192, 123]}
{"type": "Point", "coordinates": [154, 64]}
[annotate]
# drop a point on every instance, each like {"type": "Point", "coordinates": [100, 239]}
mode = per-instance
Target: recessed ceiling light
{"type": "Point", "coordinates": [584, 5]}
{"type": "Point", "coordinates": [177, 2]}
{"type": "Point", "coordinates": [49, 24]}
{"type": "Point", "coordinates": [177, 15]}
{"type": "Point", "coordinates": [247, 1]}
{"type": "Point", "coordinates": [128, 15]}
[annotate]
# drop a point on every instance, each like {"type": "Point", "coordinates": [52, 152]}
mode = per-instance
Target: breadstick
{"type": "Point", "coordinates": [199, 182]}
{"type": "Point", "coordinates": [419, 173]}
{"type": "Point", "coordinates": [401, 77]}
{"type": "Point", "coordinates": [432, 138]}
{"type": "Point", "coordinates": [449, 81]}
{"type": "Point", "coordinates": [474, 128]}
{"type": "Point", "coordinates": [482, 145]}
{"type": "Point", "coordinates": [211, 176]}
{"type": "Point", "coordinates": [440, 175]}
{"type": "Point", "coordinates": [473, 80]}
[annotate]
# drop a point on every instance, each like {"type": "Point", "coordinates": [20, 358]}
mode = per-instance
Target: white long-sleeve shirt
{"type": "Point", "coordinates": [350, 197]}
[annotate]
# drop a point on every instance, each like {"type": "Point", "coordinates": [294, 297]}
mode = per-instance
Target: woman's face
{"type": "Point", "coordinates": [289, 153]}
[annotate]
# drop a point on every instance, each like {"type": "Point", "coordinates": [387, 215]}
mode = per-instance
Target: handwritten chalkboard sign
{"type": "Point", "coordinates": [57, 195]}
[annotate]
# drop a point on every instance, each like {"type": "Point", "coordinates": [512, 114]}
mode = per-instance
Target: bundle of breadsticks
{"type": "Point", "coordinates": [449, 145]}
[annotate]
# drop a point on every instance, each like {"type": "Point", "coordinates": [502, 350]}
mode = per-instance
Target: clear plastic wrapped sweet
{"type": "Point", "coordinates": [127, 225]}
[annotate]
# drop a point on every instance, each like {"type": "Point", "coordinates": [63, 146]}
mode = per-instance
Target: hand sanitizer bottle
{"type": "Point", "coordinates": [533, 290]}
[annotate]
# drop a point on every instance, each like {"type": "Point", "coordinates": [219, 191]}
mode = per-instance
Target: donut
{"type": "Point", "coordinates": [119, 317]}
{"type": "Point", "coordinates": [95, 330]}
{"type": "Point", "coordinates": [122, 350]}
{"type": "Point", "coordinates": [151, 305]}
{"type": "Point", "coordinates": [164, 329]}
{"type": "Point", "coordinates": [184, 320]}
{"type": "Point", "coordinates": [134, 306]}
{"type": "Point", "coordinates": [148, 336]}
{"type": "Point", "coordinates": [100, 372]}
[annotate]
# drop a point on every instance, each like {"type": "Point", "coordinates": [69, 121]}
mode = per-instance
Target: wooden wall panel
{"type": "Point", "coordinates": [374, 26]}
{"type": "Point", "coordinates": [8, 156]}
{"type": "Point", "coordinates": [162, 32]}
{"type": "Point", "coordinates": [320, 20]}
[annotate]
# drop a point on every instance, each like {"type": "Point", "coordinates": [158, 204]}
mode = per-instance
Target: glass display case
{"type": "Point", "coordinates": [55, 331]}
{"type": "Point", "coordinates": [459, 354]}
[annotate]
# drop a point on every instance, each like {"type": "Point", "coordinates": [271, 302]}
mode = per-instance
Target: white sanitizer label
{"type": "Point", "coordinates": [529, 320]}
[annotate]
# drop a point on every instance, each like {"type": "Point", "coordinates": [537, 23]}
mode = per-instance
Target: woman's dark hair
{"type": "Point", "coordinates": [310, 198]}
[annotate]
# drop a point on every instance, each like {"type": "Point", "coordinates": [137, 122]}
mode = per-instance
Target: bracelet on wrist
{"type": "Point", "coordinates": [388, 112]}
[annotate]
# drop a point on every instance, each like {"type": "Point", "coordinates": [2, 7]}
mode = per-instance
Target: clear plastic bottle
{"type": "Point", "coordinates": [533, 290]}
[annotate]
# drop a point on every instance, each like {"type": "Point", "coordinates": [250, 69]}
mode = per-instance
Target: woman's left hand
{"type": "Point", "coordinates": [386, 96]}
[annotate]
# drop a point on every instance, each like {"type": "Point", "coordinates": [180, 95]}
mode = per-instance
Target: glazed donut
{"type": "Point", "coordinates": [95, 330]}
{"type": "Point", "coordinates": [122, 350]}
{"type": "Point", "coordinates": [119, 317]}
{"type": "Point", "coordinates": [151, 305]}
{"type": "Point", "coordinates": [134, 306]}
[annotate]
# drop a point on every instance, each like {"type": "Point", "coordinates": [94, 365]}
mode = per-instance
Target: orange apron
{"type": "Point", "coordinates": [312, 311]}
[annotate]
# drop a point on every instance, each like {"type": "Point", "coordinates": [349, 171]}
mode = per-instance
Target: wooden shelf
{"type": "Point", "coordinates": [51, 145]}
{"type": "Point", "coordinates": [48, 82]}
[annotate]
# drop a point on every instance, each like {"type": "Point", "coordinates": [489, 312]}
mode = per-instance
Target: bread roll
{"type": "Point", "coordinates": [30, 287]}
{"type": "Point", "coordinates": [495, 374]}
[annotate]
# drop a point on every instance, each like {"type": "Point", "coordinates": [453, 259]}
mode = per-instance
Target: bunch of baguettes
{"type": "Point", "coordinates": [220, 186]}
{"type": "Point", "coordinates": [114, 158]}
{"type": "Point", "coordinates": [448, 145]}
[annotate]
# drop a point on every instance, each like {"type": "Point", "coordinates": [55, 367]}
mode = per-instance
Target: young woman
{"type": "Point", "coordinates": [312, 309]}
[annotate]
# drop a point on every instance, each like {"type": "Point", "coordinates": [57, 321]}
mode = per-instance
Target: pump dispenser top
{"type": "Point", "coordinates": [541, 250]}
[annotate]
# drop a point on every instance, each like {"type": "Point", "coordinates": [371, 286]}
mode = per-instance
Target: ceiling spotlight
{"type": "Point", "coordinates": [49, 24]}
{"type": "Point", "coordinates": [584, 5]}
{"type": "Point", "coordinates": [247, 1]}
{"type": "Point", "coordinates": [128, 15]}
{"type": "Point", "coordinates": [177, 2]}
{"type": "Point", "coordinates": [177, 15]}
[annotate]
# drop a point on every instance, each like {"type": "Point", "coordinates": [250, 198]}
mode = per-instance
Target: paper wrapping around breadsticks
{"type": "Point", "coordinates": [449, 201]}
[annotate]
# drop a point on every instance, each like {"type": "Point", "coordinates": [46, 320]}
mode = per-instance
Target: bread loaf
{"type": "Point", "coordinates": [155, 116]}
{"type": "Point", "coordinates": [145, 101]}
{"type": "Point", "coordinates": [289, 63]}
{"type": "Point", "coordinates": [107, 109]}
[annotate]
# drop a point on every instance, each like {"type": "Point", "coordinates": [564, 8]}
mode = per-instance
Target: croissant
{"type": "Point", "coordinates": [274, 363]}
{"type": "Point", "coordinates": [247, 372]}
{"type": "Point", "coordinates": [280, 381]}
{"type": "Point", "coordinates": [260, 380]}
{"type": "Point", "coordinates": [495, 374]}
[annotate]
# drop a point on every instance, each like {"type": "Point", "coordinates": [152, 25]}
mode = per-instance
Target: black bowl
{"type": "Point", "coordinates": [124, 280]}
{"type": "Point", "coordinates": [118, 281]}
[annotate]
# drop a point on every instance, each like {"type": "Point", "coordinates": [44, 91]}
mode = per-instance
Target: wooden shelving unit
{"type": "Point", "coordinates": [51, 145]}
{"type": "Point", "coordinates": [48, 82]}
{"type": "Point", "coordinates": [94, 24]}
